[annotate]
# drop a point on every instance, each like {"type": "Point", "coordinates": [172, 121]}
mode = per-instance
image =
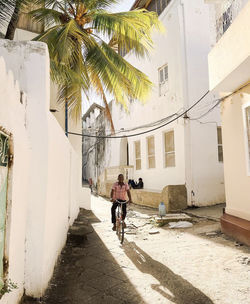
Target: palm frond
{"type": "Point", "coordinates": [50, 17]}
{"type": "Point", "coordinates": [118, 77]}
{"type": "Point", "coordinates": [6, 10]}
{"type": "Point", "coordinates": [80, 59]}
{"type": "Point", "coordinates": [129, 30]}
{"type": "Point", "coordinates": [99, 4]}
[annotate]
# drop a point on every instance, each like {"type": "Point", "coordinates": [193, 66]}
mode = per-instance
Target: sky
{"type": "Point", "coordinates": [124, 5]}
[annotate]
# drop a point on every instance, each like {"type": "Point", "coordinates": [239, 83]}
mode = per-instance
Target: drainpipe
{"type": "Point", "coordinates": [66, 118]}
{"type": "Point", "coordinates": [187, 127]}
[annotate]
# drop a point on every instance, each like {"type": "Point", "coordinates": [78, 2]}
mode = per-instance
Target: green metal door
{"type": "Point", "coordinates": [4, 151]}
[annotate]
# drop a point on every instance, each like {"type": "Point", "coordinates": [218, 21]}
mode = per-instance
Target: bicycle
{"type": "Point", "coordinates": [120, 221]}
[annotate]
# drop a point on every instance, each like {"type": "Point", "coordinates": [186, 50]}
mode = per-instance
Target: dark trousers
{"type": "Point", "coordinates": [113, 208]}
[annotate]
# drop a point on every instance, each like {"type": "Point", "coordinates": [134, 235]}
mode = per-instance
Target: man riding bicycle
{"type": "Point", "coordinates": [118, 194]}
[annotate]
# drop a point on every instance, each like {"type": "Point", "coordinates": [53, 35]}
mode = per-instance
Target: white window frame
{"type": "Point", "coordinates": [164, 151]}
{"type": "Point", "coordinates": [246, 139]}
{"type": "Point", "coordinates": [219, 145]}
{"type": "Point", "coordinates": [152, 136]}
{"type": "Point", "coordinates": [163, 85]}
{"type": "Point", "coordinates": [137, 141]}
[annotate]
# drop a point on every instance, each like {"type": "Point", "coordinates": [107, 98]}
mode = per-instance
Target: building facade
{"type": "Point", "coordinates": [94, 158]}
{"type": "Point", "coordinates": [187, 151]}
{"type": "Point", "coordinates": [229, 63]}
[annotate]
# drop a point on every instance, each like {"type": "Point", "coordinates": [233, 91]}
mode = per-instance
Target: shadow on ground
{"type": "Point", "coordinates": [179, 290]}
{"type": "Point", "coordinates": [87, 272]}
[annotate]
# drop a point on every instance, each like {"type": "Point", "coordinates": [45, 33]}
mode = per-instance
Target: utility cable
{"type": "Point", "coordinates": [218, 101]}
{"type": "Point", "coordinates": [148, 131]}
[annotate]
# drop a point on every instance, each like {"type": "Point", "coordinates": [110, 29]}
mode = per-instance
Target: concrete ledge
{"type": "Point", "coordinates": [173, 196]}
{"type": "Point", "coordinates": [144, 197]}
{"type": "Point", "coordinates": [236, 227]}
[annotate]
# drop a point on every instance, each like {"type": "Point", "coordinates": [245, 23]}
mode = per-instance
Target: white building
{"type": "Point", "coordinates": [229, 66]}
{"type": "Point", "coordinates": [187, 151]}
{"type": "Point", "coordinates": [94, 123]}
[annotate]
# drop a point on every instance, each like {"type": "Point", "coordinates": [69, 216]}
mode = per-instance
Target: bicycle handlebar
{"type": "Point", "coordinates": [122, 203]}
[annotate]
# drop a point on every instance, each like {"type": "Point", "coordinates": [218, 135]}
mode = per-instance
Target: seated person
{"type": "Point", "coordinates": [132, 183]}
{"type": "Point", "coordinates": [139, 185]}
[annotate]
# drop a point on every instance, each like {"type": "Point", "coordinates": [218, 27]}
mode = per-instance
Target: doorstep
{"type": "Point", "coordinates": [236, 227]}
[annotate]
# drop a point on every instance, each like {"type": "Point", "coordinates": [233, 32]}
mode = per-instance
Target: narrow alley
{"type": "Point", "coordinates": [197, 265]}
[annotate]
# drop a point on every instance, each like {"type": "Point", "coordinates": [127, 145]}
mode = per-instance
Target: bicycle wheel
{"type": "Point", "coordinates": [122, 233]}
{"type": "Point", "coordinates": [118, 229]}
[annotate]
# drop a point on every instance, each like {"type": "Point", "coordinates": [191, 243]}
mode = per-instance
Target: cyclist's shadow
{"type": "Point", "coordinates": [182, 292]}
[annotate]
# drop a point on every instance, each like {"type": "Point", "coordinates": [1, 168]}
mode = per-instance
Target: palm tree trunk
{"type": "Point", "coordinates": [108, 113]}
{"type": "Point", "coordinates": [13, 21]}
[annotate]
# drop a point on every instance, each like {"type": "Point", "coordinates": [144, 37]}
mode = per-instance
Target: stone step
{"type": "Point", "coordinates": [173, 218]}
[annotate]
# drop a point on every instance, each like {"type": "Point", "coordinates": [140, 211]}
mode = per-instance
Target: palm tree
{"type": "Point", "coordinates": [9, 15]}
{"type": "Point", "coordinates": [80, 56]}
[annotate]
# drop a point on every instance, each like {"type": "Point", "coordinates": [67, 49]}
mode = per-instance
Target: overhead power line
{"type": "Point", "coordinates": [148, 131]}
{"type": "Point", "coordinates": [217, 102]}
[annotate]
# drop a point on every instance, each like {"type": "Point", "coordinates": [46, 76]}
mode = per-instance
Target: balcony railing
{"type": "Point", "coordinates": [227, 18]}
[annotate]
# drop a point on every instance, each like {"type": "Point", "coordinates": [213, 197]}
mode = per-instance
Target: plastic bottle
{"type": "Point", "coordinates": [162, 209]}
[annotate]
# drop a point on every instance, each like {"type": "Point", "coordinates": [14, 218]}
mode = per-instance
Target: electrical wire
{"type": "Point", "coordinates": [149, 125]}
{"type": "Point", "coordinates": [148, 131]}
{"type": "Point", "coordinates": [218, 101]}
{"type": "Point", "coordinates": [208, 111]}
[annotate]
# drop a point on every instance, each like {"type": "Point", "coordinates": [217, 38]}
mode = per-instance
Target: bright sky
{"type": "Point", "coordinates": [124, 5]}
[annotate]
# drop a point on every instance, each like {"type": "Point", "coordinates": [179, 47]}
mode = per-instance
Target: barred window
{"type": "Point", "coordinates": [158, 6]}
{"type": "Point", "coordinates": [219, 140]}
{"type": "Point", "coordinates": [163, 80]}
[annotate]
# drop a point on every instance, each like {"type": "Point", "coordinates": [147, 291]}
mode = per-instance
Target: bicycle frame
{"type": "Point", "coordinates": [120, 221]}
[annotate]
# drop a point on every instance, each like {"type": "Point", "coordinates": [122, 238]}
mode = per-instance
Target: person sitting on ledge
{"type": "Point", "coordinates": [139, 185]}
{"type": "Point", "coordinates": [131, 183]}
{"type": "Point", "coordinates": [134, 185]}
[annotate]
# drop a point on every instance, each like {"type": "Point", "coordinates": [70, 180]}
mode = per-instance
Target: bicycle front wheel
{"type": "Point", "coordinates": [122, 233]}
{"type": "Point", "coordinates": [118, 230]}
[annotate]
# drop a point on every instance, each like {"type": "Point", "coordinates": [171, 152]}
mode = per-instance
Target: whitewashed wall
{"type": "Point", "coordinates": [45, 181]}
{"type": "Point", "coordinates": [204, 172]}
{"type": "Point", "coordinates": [229, 64]}
{"type": "Point", "coordinates": [184, 47]}
{"type": "Point", "coordinates": [12, 118]}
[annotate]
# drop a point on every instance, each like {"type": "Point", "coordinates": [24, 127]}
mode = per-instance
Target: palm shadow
{"type": "Point", "coordinates": [182, 291]}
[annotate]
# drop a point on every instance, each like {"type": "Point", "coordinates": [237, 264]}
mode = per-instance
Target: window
{"type": "Point", "coordinates": [219, 140]}
{"type": "Point", "coordinates": [151, 152]}
{"type": "Point", "coordinates": [169, 149]}
{"type": "Point", "coordinates": [247, 119]}
{"type": "Point", "coordinates": [163, 80]}
{"type": "Point", "coordinates": [138, 155]}
{"type": "Point", "coordinates": [158, 6]}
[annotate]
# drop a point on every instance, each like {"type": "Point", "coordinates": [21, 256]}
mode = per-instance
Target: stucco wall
{"type": "Point", "coordinates": [237, 180]}
{"type": "Point", "coordinates": [12, 118]}
{"type": "Point", "coordinates": [45, 183]}
{"type": "Point", "coordinates": [204, 172]}
{"type": "Point", "coordinates": [228, 70]}
{"type": "Point", "coordinates": [184, 47]}
{"type": "Point", "coordinates": [23, 35]}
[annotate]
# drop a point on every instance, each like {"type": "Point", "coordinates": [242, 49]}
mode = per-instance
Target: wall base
{"type": "Point", "coordinates": [236, 227]}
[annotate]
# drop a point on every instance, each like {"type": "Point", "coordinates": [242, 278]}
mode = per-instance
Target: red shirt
{"type": "Point", "coordinates": [120, 191]}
